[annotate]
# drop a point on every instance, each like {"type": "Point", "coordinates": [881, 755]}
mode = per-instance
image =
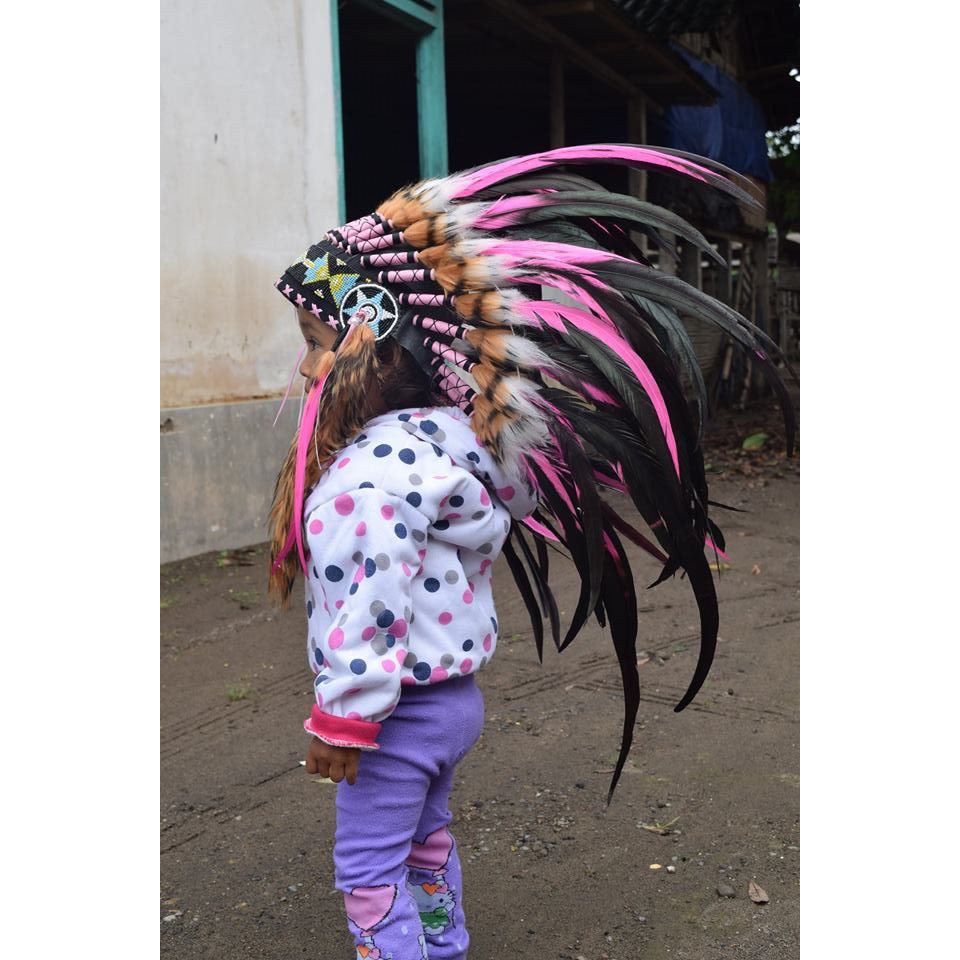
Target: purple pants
{"type": "Point", "coordinates": [394, 856]}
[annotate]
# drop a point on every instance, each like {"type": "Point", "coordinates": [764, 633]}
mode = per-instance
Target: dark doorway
{"type": "Point", "coordinates": [378, 91]}
{"type": "Point", "coordinates": [498, 95]}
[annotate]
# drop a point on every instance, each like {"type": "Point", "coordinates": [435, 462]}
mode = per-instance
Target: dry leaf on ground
{"type": "Point", "coordinates": [661, 828]}
{"type": "Point", "coordinates": [757, 893]}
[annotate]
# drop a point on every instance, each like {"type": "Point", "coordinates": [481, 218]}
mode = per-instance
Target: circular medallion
{"type": "Point", "coordinates": [371, 304]}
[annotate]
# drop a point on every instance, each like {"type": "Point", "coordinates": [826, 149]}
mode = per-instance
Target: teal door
{"type": "Point", "coordinates": [390, 97]}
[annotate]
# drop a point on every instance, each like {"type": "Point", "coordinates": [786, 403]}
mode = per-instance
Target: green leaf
{"type": "Point", "coordinates": [755, 441]}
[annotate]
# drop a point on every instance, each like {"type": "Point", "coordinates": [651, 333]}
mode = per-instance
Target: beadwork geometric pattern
{"type": "Point", "coordinates": [338, 278]}
{"type": "Point", "coordinates": [331, 282]}
{"type": "Point", "coordinates": [372, 304]}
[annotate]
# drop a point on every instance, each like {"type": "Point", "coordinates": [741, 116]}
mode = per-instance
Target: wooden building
{"type": "Point", "coordinates": [494, 78]}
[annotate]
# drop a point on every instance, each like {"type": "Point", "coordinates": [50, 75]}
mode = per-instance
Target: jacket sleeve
{"type": "Point", "coordinates": [365, 550]}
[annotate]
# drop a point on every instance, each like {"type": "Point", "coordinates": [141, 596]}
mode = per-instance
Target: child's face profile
{"type": "Point", "coordinates": [319, 337]}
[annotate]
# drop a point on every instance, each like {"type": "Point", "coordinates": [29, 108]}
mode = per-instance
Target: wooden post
{"type": "Point", "coordinates": [726, 275]}
{"type": "Point", "coordinates": [557, 104]}
{"type": "Point", "coordinates": [690, 265]}
{"type": "Point", "coordinates": [782, 319]}
{"type": "Point", "coordinates": [637, 179]}
{"type": "Point", "coordinates": [665, 262]}
{"type": "Point", "coordinates": [761, 284]}
{"type": "Point", "coordinates": [637, 133]}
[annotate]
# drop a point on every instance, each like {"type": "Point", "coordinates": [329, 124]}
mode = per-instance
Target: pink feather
{"type": "Point", "coordinates": [299, 477]}
{"type": "Point", "coordinates": [554, 314]}
{"type": "Point", "coordinates": [537, 527]}
{"type": "Point", "coordinates": [610, 482]}
{"type": "Point", "coordinates": [549, 468]}
{"type": "Point", "coordinates": [293, 373]}
{"type": "Point", "coordinates": [300, 469]}
{"type": "Point", "coordinates": [709, 543]}
{"type": "Point", "coordinates": [471, 183]}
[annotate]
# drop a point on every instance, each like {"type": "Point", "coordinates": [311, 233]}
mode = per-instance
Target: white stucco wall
{"type": "Point", "coordinates": [248, 180]}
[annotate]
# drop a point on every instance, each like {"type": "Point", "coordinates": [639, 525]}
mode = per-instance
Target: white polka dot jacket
{"type": "Point", "coordinates": [403, 529]}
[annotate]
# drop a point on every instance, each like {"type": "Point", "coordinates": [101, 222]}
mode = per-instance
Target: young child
{"type": "Point", "coordinates": [453, 413]}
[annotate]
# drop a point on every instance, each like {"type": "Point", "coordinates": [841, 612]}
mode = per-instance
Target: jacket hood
{"type": "Point", "coordinates": [449, 429]}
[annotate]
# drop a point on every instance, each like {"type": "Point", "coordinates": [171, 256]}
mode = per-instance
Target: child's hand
{"type": "Point", "coordinates": [333, 762]}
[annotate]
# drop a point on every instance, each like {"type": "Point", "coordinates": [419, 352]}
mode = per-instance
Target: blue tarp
{"type": "Point", "coordinates": [732, 131]}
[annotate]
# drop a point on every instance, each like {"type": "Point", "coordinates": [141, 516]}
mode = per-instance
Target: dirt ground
{"type": "Point", "coordinates": [710, 794]}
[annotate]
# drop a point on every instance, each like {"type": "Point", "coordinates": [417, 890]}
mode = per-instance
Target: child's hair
{"type": "Point", "coordinates": [342, 413]}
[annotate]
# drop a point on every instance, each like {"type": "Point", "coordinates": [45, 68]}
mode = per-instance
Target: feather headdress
{"type": "Point", "coordinates": [518, 290]}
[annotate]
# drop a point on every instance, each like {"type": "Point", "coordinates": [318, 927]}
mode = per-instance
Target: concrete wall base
{"type": "Point", "coordinates": [218, 464]}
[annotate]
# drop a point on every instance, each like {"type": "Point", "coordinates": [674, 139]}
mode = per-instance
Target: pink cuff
{"type": "Point", "coordinates": [342, 732]}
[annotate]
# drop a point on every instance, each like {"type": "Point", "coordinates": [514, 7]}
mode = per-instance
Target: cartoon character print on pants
{"type": "Point", "coordinates": [368, 950]}
{"type": "Point", "coordinates": [368, 907]}
{"type": "Point", "coordinates": [435, 902]}
{"type": "Point", "coordinates": [426, 881]}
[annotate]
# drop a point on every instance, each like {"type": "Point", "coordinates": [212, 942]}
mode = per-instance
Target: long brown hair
{"type": "Point", "coordinates": [349, 399]}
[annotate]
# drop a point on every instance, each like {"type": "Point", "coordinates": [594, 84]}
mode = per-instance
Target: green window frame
{"type": "Point", "coordinates": [425, 17]}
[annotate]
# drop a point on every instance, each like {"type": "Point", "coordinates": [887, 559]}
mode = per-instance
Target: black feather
{"type": "Point", "coordinates": [548, 603]}
{"type": "Point", "coordinates": [582, 205]}
{"type": "Point", "coordinates": [554, 180]}
{"type": "Point", "coordinates": [620, 603]}
{"type": "Point", "coordinates": [523, 585]}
